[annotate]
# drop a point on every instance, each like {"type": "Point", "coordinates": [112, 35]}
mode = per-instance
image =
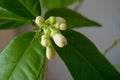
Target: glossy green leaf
{"type": "Point", "coordinates": [22, 59]}
{"type": "Point", "coordinates": [25, 8]}
{"type": "Point", "coordinates": [83, 59]}
{"type": "Point", "coordinates": [73, 18]}
{"type": "Point", "coordinates": [41, 76]}
{"type": "Point", "coordinates": [9, 20]}
{"type": "Point", "coordinates": [49, 4]}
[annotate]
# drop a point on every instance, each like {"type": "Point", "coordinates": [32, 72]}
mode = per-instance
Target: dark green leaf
{"type": "Point", "coordinates": [9, 20]}
{"type": "Point", "coordinates": [22, 59]}
{"type": "Point", "coordinates": [49, 4]}
{"type": "Point", "coordinates": [25, 8]}
{"type": "Point", "coordinates": [83, 59]}
{"type": "Point", "coordinates": [73, 18]}
{"type": "Point", "coordinates": [41, 76]}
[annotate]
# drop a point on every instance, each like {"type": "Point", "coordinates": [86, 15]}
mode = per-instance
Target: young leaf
{"type": "Point", "coordinates": [49, 4]}
{"type": "Point", "coordinates": [83, 59]}
{"type": "Point", "coordinates": [9, 20]}
{"type": "Point", "coordinates": [22, 59]}
{"type": "Point", "coordinates": [25, 8]}
{"type": "Point", "coordinates": [73, 18]}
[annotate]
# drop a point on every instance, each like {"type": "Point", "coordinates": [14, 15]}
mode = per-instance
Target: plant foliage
{"type": "Point", "coordinates": [24, 57]}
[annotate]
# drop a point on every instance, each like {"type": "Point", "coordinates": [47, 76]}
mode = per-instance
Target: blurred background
{"type": "Point", "coordinates": [106, 12]}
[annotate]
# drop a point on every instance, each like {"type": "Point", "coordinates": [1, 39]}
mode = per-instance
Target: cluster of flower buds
{"type": "Point", "coordinates": [51, 29]}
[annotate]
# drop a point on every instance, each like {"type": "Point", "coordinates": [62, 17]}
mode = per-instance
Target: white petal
{"type": "Point", "coordinates": [59, 40]}
{"type": "Point", "coordinates": [39, 20]}
{"type": "Point", "coordinates": [50, 53]}
{"type": "Point", "coordinates": [60, 20]}
{"type": "Point", "coordinates": [63, 26]}
{"type": "Point", "coordinates": [45, 41]}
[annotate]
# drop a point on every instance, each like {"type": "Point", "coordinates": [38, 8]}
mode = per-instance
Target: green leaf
{"type": "Point", "coordinates": [49, 4]}
{"type": "Point", "coordinates": [41, 76]}
{"type": "Point", "coordinates": [83, 59]}
{"type": "Point", "coordinates": [22, 59]}
{"type": "Point", "coordinates": [9, 20]}
{"type": "Point", "coordinates": [25, 8]}
{"type": "Point", "coordinates": [73, 18]}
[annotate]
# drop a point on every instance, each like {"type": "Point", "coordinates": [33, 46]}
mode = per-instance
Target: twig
{"type": "Point", "coordinates": [117, 66]}
{"type": "Point", "coordinates": [112, 46]}
{"type": "Point", "coordinates": [78, 5]}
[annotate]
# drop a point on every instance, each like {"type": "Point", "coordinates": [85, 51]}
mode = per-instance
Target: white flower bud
{"type": "Point", "coordinates": [62, 26]}
{"type": "Point", "coordinates": [39, 20]}
{"type": "Point", "coordinates": [50, 52]}
{"type": "Point", "coordinates": [45, 41]}
{"type": "Point", "coordinates": [60, 20]}
{"type": "Point", "coordinates": [54, 32]}
{"type": "Point", "coordinates": [59, 40]}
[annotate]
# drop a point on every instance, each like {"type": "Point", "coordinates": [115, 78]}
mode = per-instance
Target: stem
{"type": "Point", "coordinates": [78, 5]}
{"type": "Point", "coordinates": [112, 46]}
{"type": "Point", "coordinates": [117, 66]}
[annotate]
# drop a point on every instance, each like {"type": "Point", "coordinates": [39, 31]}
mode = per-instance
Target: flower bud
{"type": "Point", "coordinates": [50, 52]}
{"type": "Point", "coordinates": [39, 20]}
{"type": "Point", "coordinates": [59, 40]}
{"type": "Point", "coordinates": [60, 20]}
{"type": "Point", "coordinates": [45, 41]}
{"type": "Point", "coordinates": [62, 26]}
{"type": "Point", "coordinates": [50, 20]}
{"type": "Point", "coordinates": [56, 25]}
{"type": "Point", "coordinates": [54, 32]}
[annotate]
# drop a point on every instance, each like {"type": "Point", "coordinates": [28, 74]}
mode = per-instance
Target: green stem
{"type": "Point", "coordinates": [112, 46]}
{"type": "Point", "coordinates": [117, 66]}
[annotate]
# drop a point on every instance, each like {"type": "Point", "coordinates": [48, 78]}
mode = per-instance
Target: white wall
{"type": "Point", "coordinates": [5, 37]}
{"type": "Point", "coordinates": [106, 12]}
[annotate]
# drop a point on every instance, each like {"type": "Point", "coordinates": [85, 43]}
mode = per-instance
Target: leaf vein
{"type": "Point", "coordinates": [21, 58]}
{"type": "Point", "coordinates": [86, 60]}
